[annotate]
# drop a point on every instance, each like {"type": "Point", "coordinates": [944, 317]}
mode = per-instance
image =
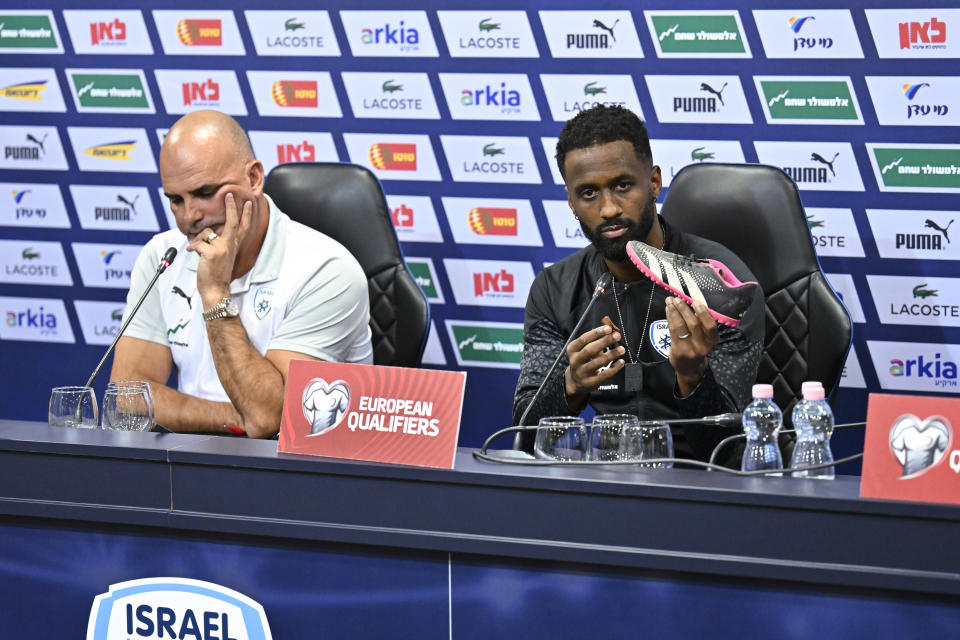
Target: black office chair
{"type": "Point", "coordinates": [755, 211]}
{"type": "Point", "coordinates": [345, 202]}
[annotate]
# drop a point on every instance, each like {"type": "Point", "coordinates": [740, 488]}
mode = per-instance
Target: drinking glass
{"type": "Point", "coordinates": [606, 435]}
{"type": "Point", "coordinates": [647, 443]}
{"type": "Point", "coordinates": [72, 407]}
{"type": "Point", "coordinates": [134, 384]}
{"type": "Point", "coordinates": [127, 408]}
{"type": "Point", "coordinates": [561, 438]}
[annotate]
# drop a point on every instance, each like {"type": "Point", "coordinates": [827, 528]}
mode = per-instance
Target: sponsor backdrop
{"type": "Point", "coordinates": [860, 106]}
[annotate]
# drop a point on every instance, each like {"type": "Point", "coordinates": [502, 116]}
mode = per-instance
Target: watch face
{"type": "Point", "coordinates": [232, 309]}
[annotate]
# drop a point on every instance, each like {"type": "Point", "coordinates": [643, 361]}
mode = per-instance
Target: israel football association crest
{"type": "Point", "coordinates": [324, 405]}
{"type": "Point", "coordinates": [262, 302]}
{"type": "Point", "coordinates": [660, 337]}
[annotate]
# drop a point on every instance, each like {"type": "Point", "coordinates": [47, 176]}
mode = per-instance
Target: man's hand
{"type": "Point", "coordinates": [217, 257]}
{"type": "Point", "coordinates": [693, 334]}
{"type": "Point", "coordinates": [589, 364]}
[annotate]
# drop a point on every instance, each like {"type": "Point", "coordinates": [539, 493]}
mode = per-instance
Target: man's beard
{"type": "Point", "coordinates": [615, 249]}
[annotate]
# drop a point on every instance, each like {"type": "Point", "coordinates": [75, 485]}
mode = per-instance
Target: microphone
{"type": "Point", "coordinates": [165, 262]}
{"type": "Point", "coordinates": [603, 282]}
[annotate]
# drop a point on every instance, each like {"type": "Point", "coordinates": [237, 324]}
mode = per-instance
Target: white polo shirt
{"type": "Point", "coordinates": [306, 293]}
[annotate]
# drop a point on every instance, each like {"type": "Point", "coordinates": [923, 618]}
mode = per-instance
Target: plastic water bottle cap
{"type": "Point", "coordinates": [811, 384]}
{"type": "Point", "coordinates": [813, 393]}
{"type": "Point", "coordinates": [763, 391]}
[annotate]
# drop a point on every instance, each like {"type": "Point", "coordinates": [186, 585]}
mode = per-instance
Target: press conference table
{"type": "Point", "coordinates": [469, 552]}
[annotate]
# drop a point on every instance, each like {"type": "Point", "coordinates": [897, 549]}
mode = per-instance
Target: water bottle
{"type": "Point", "coordinates": [761, 423]}
{"type": "Point", "coordinates": [813, 420]}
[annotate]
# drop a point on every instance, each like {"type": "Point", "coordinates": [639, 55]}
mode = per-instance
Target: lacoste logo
{"type": "Point", "coordinates": [669, 32]}
{"type": "Point", "coordinates": [486, 25]}
{"type": "Point", "coordinates": [29, 254]}
{"type": "Point", "coordinates": [39, 143]}
{"type": "Point", "coordinates": [179, 292]}
{"type": "Point", "coordinates": [467, 342]}
{"type": "Point", "coordinates": [389, 87]}
{"type": "Point", "coordinates": [85, 88]}
{"type": "Point", "coordinates": [590, 90]}
{"type": "Point", "coordinates": [130, 204]}
{"type": "Point", "coordinates": [491, 150]}
{"type": "Point", "coordinates": [292, 25]}
{"type": "Point", "coordinates": [700, 155]}
{"type": "Point", "coordinates": [813, 223]}
{"type": "Point", "coordinates": [920, 292]}
{"type": "Point", "coordinates": [116, 315]}
{"type": "Point", "coordinates": [886, 168]}
{"type": "Point", "coordinates": [933, 225]}
{"type": "Point", "coordinates": [176, 328]}
{"type": "Point", "coordinates": [818, 158]}
{"type": "Point", "coordinates": [706, 87]}
{"type": "Point", "coordinates": [600, 25]}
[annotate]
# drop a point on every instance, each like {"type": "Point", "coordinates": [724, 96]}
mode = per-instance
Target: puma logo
{"type": "Point", "coordinates": [130, 204]}
{"type": "Point", "coordinates": [933, 225]}
{"type": "Point", "coordinates": [600, 25]}
{"type": "Point", "coordinates": [817, 157]}
{"type": "Point", "coordinates": [705, 87]}
{"type": "Point", "coordinates": [179, 292]}
{"type": "Point", "coordinates": [39, 143]}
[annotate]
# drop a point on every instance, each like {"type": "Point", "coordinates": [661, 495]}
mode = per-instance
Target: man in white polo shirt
{"type": "Point", "coordinates": [249, 291]}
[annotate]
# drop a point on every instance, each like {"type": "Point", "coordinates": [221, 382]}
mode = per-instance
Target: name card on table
{"type": "Point", "coordinates": [366, 412]}
{"type": "Point", "coordinates": [912, 449]}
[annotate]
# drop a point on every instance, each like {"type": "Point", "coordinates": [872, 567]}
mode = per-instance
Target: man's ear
{"type": "Point", "coordinates": [255, 176]}
{"type": "Point", "coordinates": [656, 181]}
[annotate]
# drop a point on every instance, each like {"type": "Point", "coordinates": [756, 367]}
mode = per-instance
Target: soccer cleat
{"type": "Point", "coordinates": [707, 281]}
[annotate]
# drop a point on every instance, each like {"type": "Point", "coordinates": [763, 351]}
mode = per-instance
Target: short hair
{"type": "Point", "coordinates": [599, 125]}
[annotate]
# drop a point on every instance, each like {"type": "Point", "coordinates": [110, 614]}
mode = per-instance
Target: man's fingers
{"type": "Point", "coordinates": [232, 221]}
{"type": "Point", "coordinates": [581, 341]}
{"type": "Point", "coordinates": [246, 219]}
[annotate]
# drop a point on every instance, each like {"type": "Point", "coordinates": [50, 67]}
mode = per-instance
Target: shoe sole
{"type": "Point", "coordinates": [641, 265]}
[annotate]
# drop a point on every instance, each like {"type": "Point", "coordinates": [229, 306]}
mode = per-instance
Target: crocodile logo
{"type": "Point", "coordinates": [700, 155]}
{"type": "Point", "coordinates": [486, 25]}
{"type": "Point", "coordinates": [920, 292]}
{"type": "Point", "coordinates": [818, 158]}
{"type": "Point", "coordinates": [116, 315]}
{"type": "Point", "coordinates": [813, 224]}
{"type": "Point", "coordinates": [293, 25]}
{"type": "Point", "coordinates": [590, 89]}
{"type": "Point", "coordinates": [491, 150]}
{"type": "Point", "coordinates": [29, 254]}
{"type": "Point", "coordinates": [389, 87]}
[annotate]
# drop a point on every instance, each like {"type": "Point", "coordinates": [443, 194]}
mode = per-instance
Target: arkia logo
{"type": "Point", "coordinates": [493, 221]}
{"type": "Point", "coordinates": [106, 33]}
{"type": "Point", "coordinates": [485, 283]}
{"type": "Point", "coordinates": [294, 93]}
{"type": "Point", "coordinates": [942, 372]}
{"type": "Point", "coordinates": [25, 90]}
{"type": "Point", "coordinates": [488, 96]}
{"type": "Point", "coordinates": [303, 152]}
{"type": "Point", "coordinates": [26, 152]}
{"type": "Point", "coordinates": [113, 150]}
{"type": "Point", "coordinates": [918, 445]}
{"type": "Point", "coordinates": [389, 156]}
{"type": "Point", "coordinates": [925, 241]}
{"type": "Point", "coordinates": [600, 39]}
{"type": "Point", "coordinates": [201, 93]}
{"type": "Point", "coordinates": [923, 35]}
{"type": "Point", "coordinates": [402, 216]}
{"type": "Point", "coordinates": [324, 405]}
{"type": "Point", "coordinates": [202, 33]}
{"type": "Point", "coordinates": [32, 319]}
{"type": "Point", "coordinates": [175, 608]}
{"type": "Point", "coordinates": [407, 37]}
{"type": "Point", "coordinates": [700, 104]}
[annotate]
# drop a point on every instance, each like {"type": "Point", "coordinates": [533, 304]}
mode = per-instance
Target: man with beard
{"type": "Point", "coordinates": [644, 352]}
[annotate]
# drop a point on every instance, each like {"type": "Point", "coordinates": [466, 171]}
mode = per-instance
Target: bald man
{"type": "Point", "coordinates": [250, 290]}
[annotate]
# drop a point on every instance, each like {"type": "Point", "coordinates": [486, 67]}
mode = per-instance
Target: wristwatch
{"type": "Point", "coordinates": [226, 308]}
